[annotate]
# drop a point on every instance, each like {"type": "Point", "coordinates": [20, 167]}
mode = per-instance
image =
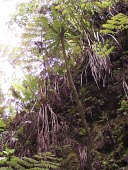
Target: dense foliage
{"type": "Point", "coordinates": [72, 99]}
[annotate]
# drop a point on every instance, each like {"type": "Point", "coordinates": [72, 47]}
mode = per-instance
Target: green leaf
{"type": "Point", "coordinates": [64, 11]}
{"type": "Point", "coordinates": [11, 150]}
{"type": "Point", "coordinates": [57, 7]}
{"type": "Point", "coordinates": [2, 124]}
{"type": "Point", "coordinates": [3, 160]}
{"type": "Point", "coordinates": [44, 20]}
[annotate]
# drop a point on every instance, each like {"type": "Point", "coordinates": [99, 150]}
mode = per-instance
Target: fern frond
{"type": "Point", "coordinates": [107, 31]}
{"type": "Point", "coordinates": [48, 164]}
{"type": "Point", "coordinates": [6, 168]}
{"type": "Point", "coordinates": [118, 22]}
{"type": "Point", "coordinates": [37, 168]}
{"type": "Point", "coordinates": [25, 163]}
{"type": "Point", "coordinates": [30, 160]}
{"type": "Point", "coordinates": [108, 26]}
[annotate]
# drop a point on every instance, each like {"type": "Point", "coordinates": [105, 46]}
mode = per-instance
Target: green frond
{"type": "Point", "coordinates": [109, 26]}
{"type": "Point", "coordinates": [49, 155]}
{"type": "Point", "coordinates": [107, 31]}
{"type": "Point", "coordinates": [2, 124]}
{"type": "Point", "coordinates": [37, 168]}
{"type": "Point", "coordinates": [52, 45]}
{"type": "Point", "coordinates": [25, 163]}
{"type": "Point", "coordinates": [46, 161]}
{"type": "Point", "coordinates": [47, 164]}
{"type": "Point", "coordinates": [44, 20]}
{"type": "Point", "coordinates": [30, 160]}
{"type": "Point", "coordinates": [6, 168]}
{"type": "Point", "coordinates": [102, 50]}
{"type": "Point", "coordinates": [111, 22]}
{"type": "Point", "coordinates": [2, 160]}
{"type": "Point", "coordinates": [118, 22]}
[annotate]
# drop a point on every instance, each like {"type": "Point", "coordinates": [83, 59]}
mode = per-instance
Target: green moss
{"type": "Point", "coordinates": [20, 130]}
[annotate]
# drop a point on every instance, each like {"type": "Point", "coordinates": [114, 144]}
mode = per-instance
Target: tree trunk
{"type": "Point", "coordinates": [80, 107]}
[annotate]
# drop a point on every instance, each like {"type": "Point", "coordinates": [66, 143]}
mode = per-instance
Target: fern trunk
{"type": "Point", "coordinates": [80, 107]}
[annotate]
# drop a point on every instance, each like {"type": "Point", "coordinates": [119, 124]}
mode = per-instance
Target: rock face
{"type": "Point", "coordinates": [106, 111]}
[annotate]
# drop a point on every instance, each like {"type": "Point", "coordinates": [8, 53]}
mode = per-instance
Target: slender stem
{"type": "Point", "coordinates": [79, 105]}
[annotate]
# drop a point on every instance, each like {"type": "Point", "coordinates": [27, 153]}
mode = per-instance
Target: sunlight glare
{"type": "Point", "coordinates": [8, 38]}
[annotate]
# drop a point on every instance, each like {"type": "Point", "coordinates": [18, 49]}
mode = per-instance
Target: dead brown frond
{"type": "Point", "coordinates": [125, 87]}
{"type": "Point", "coordinates": [54, 127]}
{"type": "Point", "coordinates": [43, 140]}
{"type": "Point", "coordinates": [100, 67]}
{"type": "Point", "coordinates": [98, 57]}
{"type": "Point", "coordinates": [47, 129]}
{"type": "Point", "coordinates": [82, 155]}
